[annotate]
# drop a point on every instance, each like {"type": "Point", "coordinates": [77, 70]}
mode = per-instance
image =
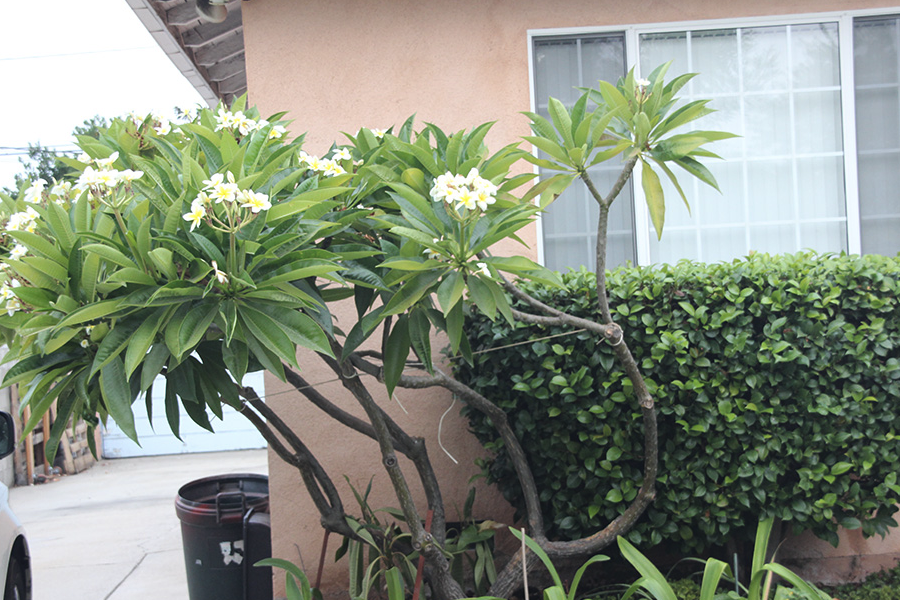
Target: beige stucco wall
{"type": "Point", "coordinates": [337, 65]}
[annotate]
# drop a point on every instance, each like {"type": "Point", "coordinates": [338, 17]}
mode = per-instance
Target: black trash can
{"type": "Point", "coordinates": [215, 513]}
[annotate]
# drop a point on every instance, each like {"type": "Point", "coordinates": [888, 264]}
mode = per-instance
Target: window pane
{"type": "Point", "coordinates": [876, 56]}
{"type": "Point", "coordinates": [561, 65]}
{"type": "Point", "coordinates": [782, 181]}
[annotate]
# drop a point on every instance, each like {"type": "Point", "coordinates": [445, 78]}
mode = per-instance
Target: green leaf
{"type": "Point", "coordinates": [302, 202]}
{"type": "Point", "coordinates": [195, 325]}
{"type": "Point", "coordinates": [91, 312]}
{"type": "Point", "coordinates": [38, 244]}
{"type": "Point", "coordinates": [450, 291]}
{"type": "Point", "coordinates": [420, 337]}
{"type": "Point", "coordinates": [653, 193]}
{"type": "Point", "coordinates": [117, 394]}
{"type": "Point", "coordinates": [646, 569]}
{"type": "Point", "coordinates": [395, 353]}
{"type": "Point", "coordinates": [482, 296]}
{"type": "Point", "coordinates": [270, 338]}
{"type": "Point", "coordinates": [411, 292]}
{"type": "Point", "coordinates": [299, 327]}
{"type": "Point", "coordinates": [110, 254]}
{"type": "Point", "coordinates": [113, 344]}
{"type": "Point", "coordinates": [712, 574]}
{"type": "Point", "coordinates": [580, 573]}
{"type": "Point", "coordinates": [698, 170]}
{"type": "Point", "coordinates": [562, 121]}
{"type": "Point", "coordinates": [554, 149]}
{"type": "Point", "coordinates": [534, 547]}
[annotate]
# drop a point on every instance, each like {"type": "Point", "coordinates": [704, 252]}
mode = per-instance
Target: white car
{"type": "Point", "coordinates": [15, 562]}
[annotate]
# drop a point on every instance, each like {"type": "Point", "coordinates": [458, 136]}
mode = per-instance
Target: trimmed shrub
{"type": "Point", "coordinates": [777, 381]}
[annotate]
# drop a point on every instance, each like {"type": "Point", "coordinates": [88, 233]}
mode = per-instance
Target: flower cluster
{"type": "Point", "coordinates": [105, 177]}
{"type": "Point", "coordinates": [23, 221]}
{"type": "Point", "coordinates": [10, 301]}
{"type": "Point", "coordinates": [244, 124]}
{"type": "Point", "coordinates": [329, 167]}
{"type": "Point", "coordinates": [221, 188]}
{"type": "Point", "coordinates": [470, 192]}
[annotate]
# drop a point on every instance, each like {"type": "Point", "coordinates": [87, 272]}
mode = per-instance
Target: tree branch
{"type": "Point", "coordinates": [320, 487]}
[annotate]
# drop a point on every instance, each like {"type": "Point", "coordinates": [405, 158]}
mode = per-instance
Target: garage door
{"type": "Point", "coordinates": [233, 432]}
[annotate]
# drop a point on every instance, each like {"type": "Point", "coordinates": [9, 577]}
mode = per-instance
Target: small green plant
{"type": "Point", "coordinates": [471, 551]}
{"type": "Point", "coordinates": [557, 591]}
{"type": "Point", "coordinates": [381, 548]}
{"type": "Point", "coordinates": [653, 583]}
{"type": "Point", "coordinates": [296, 583]}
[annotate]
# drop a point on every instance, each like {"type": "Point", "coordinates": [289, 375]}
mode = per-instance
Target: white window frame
{"type": "Point", "coordinates": [844, 21]}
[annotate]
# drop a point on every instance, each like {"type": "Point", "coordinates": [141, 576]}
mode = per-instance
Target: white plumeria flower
{"type": "Point", "coordinates": [14, 223]}
{"type": "Point", "coordinates": [224, 192]}
{"type": "Point", "coordinates": [84, 343]}
{"type": "Point", "coordinates": [220, 275]}
{"type": "Point", "coordinates": [196, 215]}
{"type": "Point", "coordinates": [432, 254]}
{"type": "Point", "coordinates": [642, 82]}
{"type": "Point", "coordinates": [61, 189]}
{"type": "Point", "coordinates": [108, 178]}
{"type": "Point", "coordinates": [34, 192]}
{"type": "Point", "coordinates": [107, 163]}
{"type": "Point", "coordinates": [88, 177]}
{"type": "Point", "coordinates": [84, 157]}
{"type": "Point", "coordinates": [6, 293]}
{"type": "Point", "coordinates": [332, 168]}
{"type": "Point", "coordinates": [254, 201]}
{"type": "Point", "coordinates": [18, 251]}
{"type": "Point", "coordinates": [471, 191]}
{"type": "Point", "coordinates": [163, 128]}
{"type": "Point", "coordinates": [214, 180]}
{"type": "Point", "coordinates": [467, 198]}
{"type": "Point", "coordinates": [89, 329]}
{"type": "Point", "coordinates": [481, 184]}
{"type": "Point", "coordinates": [221, 191]}
{"type": "Point", "coordinates": [277, 132]}
{"type": "Point", "coordinates": [483, 269]}
{"type": "Point", "coordinates": [202, 199]}
{"type": "Point", "coordinates": [483, 199]}
{"type": "Point", "coordinates": [379, 133]}
{"type": "Point", "coordinates": [224, 119]}
{"type": "Point", "coordinates": [31, 214]}
{"type": "Point", "coordinates": [244, 124]}
{"type": "Point", "coordinates": [128, 175]}
{"type": "Point", "coordinates": [315, 163]}
{"type": "Point", "coordinates": [341, 154]}
{"type": "Point", "coordinates": [13, 305]}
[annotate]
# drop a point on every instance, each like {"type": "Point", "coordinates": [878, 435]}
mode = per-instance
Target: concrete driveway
{"type": "Point", "coordinates": [111, 533]}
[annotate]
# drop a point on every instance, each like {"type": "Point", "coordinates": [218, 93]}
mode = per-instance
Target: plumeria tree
{"type": "Point", "coordinates": [206, 249]}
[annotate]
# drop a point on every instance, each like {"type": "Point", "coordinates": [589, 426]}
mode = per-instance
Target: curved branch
{"type": "Point", "coordinates": [501, 423]}
{"type": "Point", "coordinates": [418, 454]}
{"type": "Point", "coordinates": [320, 487]}
{"type": "Point", "coordinates": [423, 541]}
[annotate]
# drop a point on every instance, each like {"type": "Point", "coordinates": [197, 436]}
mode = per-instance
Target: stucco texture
{"type": "Point", "coordinates": [337, 65]}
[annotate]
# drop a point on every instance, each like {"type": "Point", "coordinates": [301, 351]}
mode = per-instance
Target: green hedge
{"type": "Point", "coordinates": [777, 381]}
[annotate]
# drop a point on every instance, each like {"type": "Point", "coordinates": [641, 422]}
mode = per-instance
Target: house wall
{"type": "Point", "coordinates": [337, 65]}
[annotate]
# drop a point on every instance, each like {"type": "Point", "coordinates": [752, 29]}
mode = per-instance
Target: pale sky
{"type": "Point", "coordinates": [64, 61]}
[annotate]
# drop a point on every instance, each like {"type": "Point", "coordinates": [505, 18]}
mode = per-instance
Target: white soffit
{"type": "Point", "coordinates": [209, 55]}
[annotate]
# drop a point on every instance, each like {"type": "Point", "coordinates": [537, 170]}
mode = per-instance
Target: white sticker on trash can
{"type": "Point", "coordinates": [232, 552]}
